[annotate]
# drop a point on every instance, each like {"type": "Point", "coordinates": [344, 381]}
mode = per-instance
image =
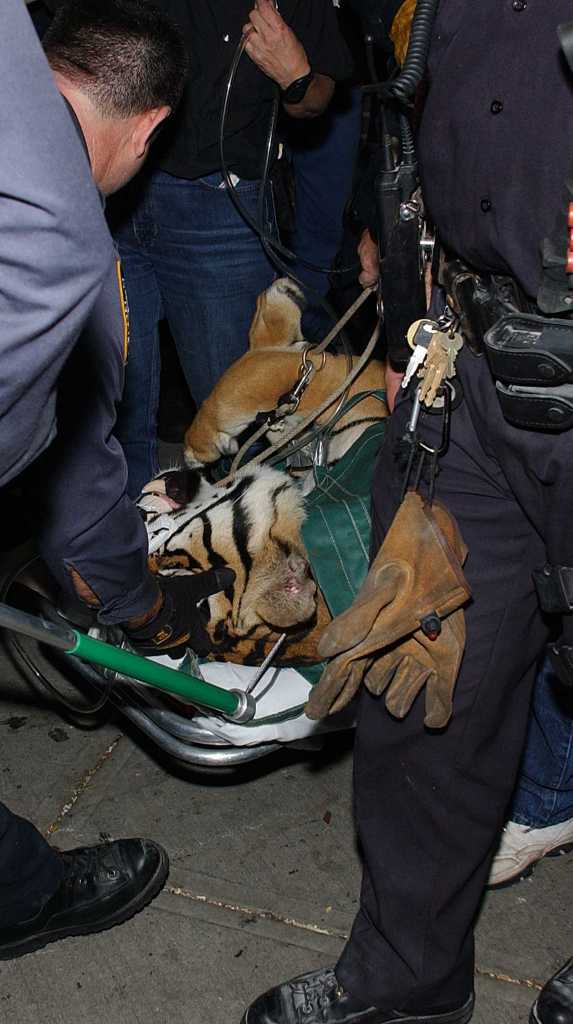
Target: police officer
{"type": "Point", "coordinates": [118, 95]}
{"type": "Point", "coordinates": [495, 147]}
{"type": "Point", "coordinates": [57, 395]}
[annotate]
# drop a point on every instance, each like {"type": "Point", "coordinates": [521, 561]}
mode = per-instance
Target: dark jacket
{"type": "Point", "coordinates": [62, 336]}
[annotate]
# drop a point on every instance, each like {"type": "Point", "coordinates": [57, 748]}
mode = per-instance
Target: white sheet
{"type": "Point", "coordinates": [280, 716]}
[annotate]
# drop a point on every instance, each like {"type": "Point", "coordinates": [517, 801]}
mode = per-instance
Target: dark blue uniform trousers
{"type": "Point", "coordinates": [430, 804]}
{"type": "Point", "coordinates": [30, 871]}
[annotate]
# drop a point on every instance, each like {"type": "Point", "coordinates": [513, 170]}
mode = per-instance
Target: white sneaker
{"type": "Point", "coordinates": [521, 847]}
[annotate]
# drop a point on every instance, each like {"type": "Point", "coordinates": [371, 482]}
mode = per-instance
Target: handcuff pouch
{"type": "Point", "coordinates": [531, 359]}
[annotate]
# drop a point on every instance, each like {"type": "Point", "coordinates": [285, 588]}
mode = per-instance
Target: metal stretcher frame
{"type": "Point", "coordinates": [185, 741]}
{"type": "Point", "coordinates": [175, 734]}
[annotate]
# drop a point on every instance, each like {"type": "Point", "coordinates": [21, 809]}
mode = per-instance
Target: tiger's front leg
{"type": "Point", "coordinates": [253, 384]}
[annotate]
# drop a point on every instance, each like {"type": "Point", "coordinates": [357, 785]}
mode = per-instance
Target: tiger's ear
{"type": "Point", "coordinates": [276, 323]}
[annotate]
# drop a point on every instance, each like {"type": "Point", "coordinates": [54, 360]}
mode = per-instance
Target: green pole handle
{"type": "Point", "coordinates": [196, 691]}
{"type": "Point", "coordinates": [237, 705]}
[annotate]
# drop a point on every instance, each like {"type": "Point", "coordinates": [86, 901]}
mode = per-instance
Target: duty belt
{"type": "Point", "coordinates": [530, 355]}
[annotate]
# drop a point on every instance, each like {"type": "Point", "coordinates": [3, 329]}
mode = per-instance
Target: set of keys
{"type": "Point", "coordinates": [435, 348]}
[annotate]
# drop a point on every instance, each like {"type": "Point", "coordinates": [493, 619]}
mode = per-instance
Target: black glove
{"type": "Point", "coordinates": [181, 621]}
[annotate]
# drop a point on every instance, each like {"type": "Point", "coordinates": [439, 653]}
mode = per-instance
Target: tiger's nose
{"type": "Point", "coordinates": [181, 485]}
{"type": "Point", "coordinates": [298, 566]}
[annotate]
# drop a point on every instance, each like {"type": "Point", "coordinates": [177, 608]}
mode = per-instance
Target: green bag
{"type": "Point", "coordinates": [336, 531]}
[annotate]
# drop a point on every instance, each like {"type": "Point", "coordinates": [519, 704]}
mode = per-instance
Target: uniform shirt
{"type": "Point", "coordinates": [212, 29]}
{"type": "Point", "coordinates": [49, 278]}
{"type": "Point", "coordinates": [62, 337]}
{"type": "Point", "coordinates": [496, 140]}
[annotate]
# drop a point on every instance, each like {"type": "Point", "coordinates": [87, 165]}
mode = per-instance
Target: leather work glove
{"type": "Point", "coordinates": [181, 621]}
{"type": "Point", "coordinates": [338, 684]}
{"type": "Point", "coordinates": [420, 662]}
{"type": "Point", "coordinates": [417, 572]}
{"type": "Point", "coordinates": [415, 579]}
{"type": "Point", "coordinates": [402, 672]}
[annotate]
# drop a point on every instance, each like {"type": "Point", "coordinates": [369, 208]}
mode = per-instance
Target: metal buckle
{"type": "Point", "coordinates": [306, 371]}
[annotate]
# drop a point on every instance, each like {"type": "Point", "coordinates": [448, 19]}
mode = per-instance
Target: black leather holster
{"type": "Point", "coordinates": [530, 356]}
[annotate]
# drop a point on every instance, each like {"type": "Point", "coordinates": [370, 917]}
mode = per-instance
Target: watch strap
{"type": "Point", "coordinates": [296, 91]}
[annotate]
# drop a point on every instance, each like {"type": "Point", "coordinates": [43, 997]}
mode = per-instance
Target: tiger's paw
{"type": "Point", "coordinates": [276, 323]}
{"type": "Point", "coordinates": [221, 444]}
{"type": "Point", "coordinates": [285, 286]}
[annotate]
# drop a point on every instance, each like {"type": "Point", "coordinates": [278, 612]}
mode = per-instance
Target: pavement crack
{"type": "Point", "coordinates": [255, 912]}
{"type": "Point", "coordinates": [508, 980]}
{"type": "Point", "coordinates": [270, 915]}
{"type": "Point", "coordinates": [82, 785]}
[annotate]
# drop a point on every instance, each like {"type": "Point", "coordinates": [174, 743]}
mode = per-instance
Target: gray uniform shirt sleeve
{"type": "Point", "coordinates": [55, 249]}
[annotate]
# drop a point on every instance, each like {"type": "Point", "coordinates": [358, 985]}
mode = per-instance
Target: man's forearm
{"type": "Point", "coordinates": [278, 52]}
{"type": "Point", "coordinates": [316, 99]}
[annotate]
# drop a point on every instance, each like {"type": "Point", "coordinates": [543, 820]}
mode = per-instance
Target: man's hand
{"type": "Point", "coordinates": [369, 259]}
{"type": "Point", "coordinates": [276, 50]}
{"type": "Point", "coordinates": [394, 379]}
{"type": "Point", "coordinates": [273, 46]}
{"type": "Point", "coordinates": [178, 622]}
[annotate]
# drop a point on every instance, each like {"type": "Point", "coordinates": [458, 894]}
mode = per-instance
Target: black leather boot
{"type": "Point", "coordinates": [317, 998]}
{"type": "Point", "coordinates": [102, 886]}
{"type": "Point", "coordinates": [554, 1004]}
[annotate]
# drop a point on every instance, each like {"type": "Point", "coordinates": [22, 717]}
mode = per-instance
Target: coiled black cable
{"type": "Point", "coordinates": [412, 71]}
{"type": "Point", "coordinates": [407, 145]}
{"type": "Point", "coordinates": [403, 86]}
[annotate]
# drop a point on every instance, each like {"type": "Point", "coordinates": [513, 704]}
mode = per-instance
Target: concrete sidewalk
{"type": "Point", "coordinates": [264, 879]}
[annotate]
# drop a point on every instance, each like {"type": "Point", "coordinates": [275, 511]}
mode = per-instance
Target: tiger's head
{"type": "Point", "coordinates": [251, 524]}
{"type": "Point", "coordinates": [279, 590]}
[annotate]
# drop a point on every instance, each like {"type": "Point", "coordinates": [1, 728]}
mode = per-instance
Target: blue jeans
{"type": "Point", "coordinates": [323, 155]}
{"type": "Point", "coordinates": [189, 257]}
{"type": "Point", "coordinates": [544, 792]}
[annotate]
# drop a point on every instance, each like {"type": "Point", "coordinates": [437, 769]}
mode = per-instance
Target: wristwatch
{"type": "Point", "coordinates": [296, 91]}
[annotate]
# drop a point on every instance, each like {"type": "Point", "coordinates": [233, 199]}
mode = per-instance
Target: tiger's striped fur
{"type": "Point", "coordinates": [252, 525]}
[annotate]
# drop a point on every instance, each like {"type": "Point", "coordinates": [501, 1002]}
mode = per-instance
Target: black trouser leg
{"type": "Point", "coordinates": [430, 805]}
{"type": "Point", "coordinates": [30, 871]}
